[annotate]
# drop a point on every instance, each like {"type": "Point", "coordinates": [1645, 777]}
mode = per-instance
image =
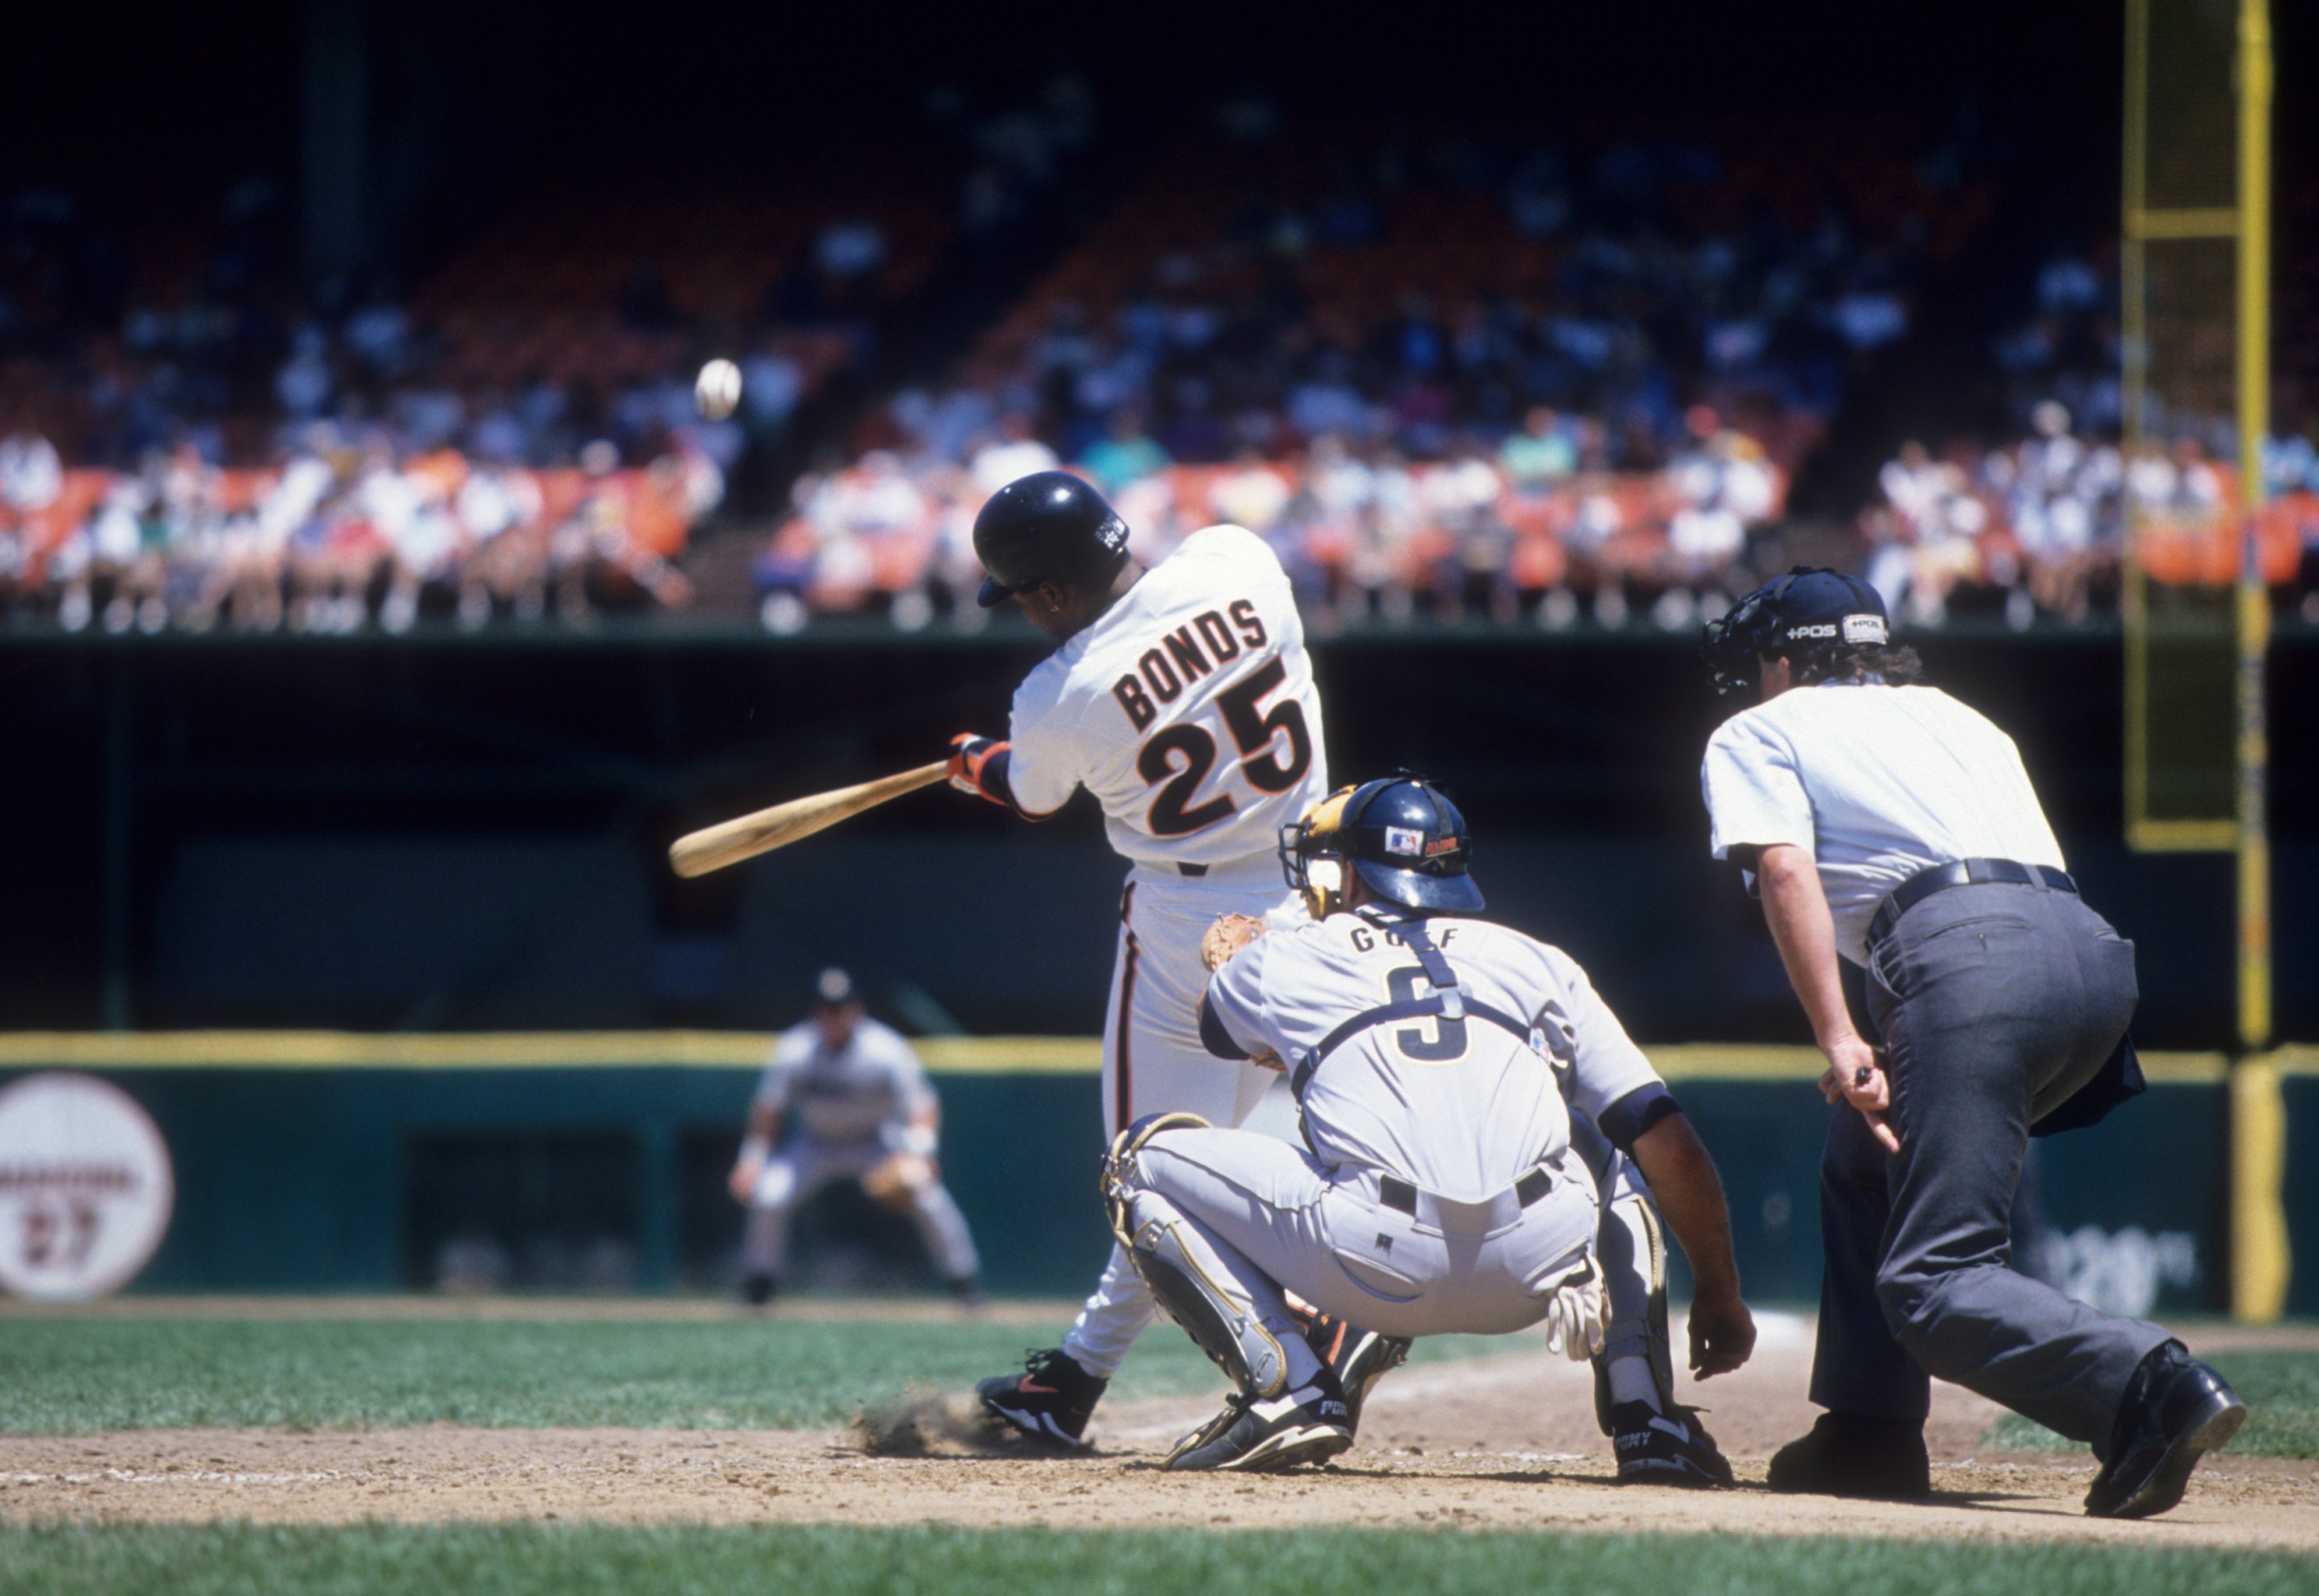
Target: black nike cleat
{"type": "Point", "coordinates": [1656, 1448]}
{"type": "Point", "coordinates": [1259, 1435]}
{"type": "Point", "coordinates": [1359, 1359]}
{"type": "Point", "coordinates": [2176, 1411]}
{"type": "Point", "coordinates": [1051, 1401]}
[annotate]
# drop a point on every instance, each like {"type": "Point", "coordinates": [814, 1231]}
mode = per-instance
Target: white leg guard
{"type": "Point", "coordinates": [1193, 1277]}
{"type": "Point", "coordinates": [1633, 1253]}
{"type": "Point", "coordinates": [1196, 1286]}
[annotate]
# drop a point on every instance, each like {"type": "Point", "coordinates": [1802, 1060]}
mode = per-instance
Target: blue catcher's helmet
{"type": "Point", "coordinates": [1401, 835]}
{"type": "Point", "coordinates": [1810, 608]}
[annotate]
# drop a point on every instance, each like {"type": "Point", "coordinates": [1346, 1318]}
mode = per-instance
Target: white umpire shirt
{"type": "Point", "coordinates": [1875, 783]}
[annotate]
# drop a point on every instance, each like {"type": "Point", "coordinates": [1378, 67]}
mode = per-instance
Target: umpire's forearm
{"type": "Point", "coordinates": [1690, 1197]}
{"type": "Point", "coordinates": [1796, 908]}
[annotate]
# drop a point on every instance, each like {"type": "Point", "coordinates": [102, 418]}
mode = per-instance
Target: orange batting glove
{"type": "Point", "coordinates": [970, 757]}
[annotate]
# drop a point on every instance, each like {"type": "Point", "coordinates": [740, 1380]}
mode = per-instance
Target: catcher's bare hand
{"type": "Point", "coordinates": [1722, 1335]}
{"type": "Point", "coordinates": [1226, 937]}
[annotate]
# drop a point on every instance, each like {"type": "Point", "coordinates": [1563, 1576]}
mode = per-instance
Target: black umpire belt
{"type": "Point", "coordinates": [1488, 1214]}
{"type": "Point", "coordinates": [1961, 872]}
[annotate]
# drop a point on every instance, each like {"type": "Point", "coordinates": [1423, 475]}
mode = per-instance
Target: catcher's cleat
{"type": "Point", "coordinates": [2176, 1411]}
{"type": "Point", "coordinates": [1673, 1449]}
{"type": "Point", "coordinates": [1051, 1401]}
{"type": "Point", "coordinates": [1359, 1359]}
{"type": "Point", "coordinates": [1265, 1435]}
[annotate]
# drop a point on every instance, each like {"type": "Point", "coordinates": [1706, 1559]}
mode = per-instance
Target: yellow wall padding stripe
{"type": "Point", "coordinates": [747, 1049]}
{"type": "Point", "coordinates": [500, 1049]}
{"type": "Point", "coordinates": [2262, 1256]}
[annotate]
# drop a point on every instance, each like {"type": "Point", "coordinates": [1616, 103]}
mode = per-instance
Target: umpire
{"type": "Point", "coordinates": [1888, 822]}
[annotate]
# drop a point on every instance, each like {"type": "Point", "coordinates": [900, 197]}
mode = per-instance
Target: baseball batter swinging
{"type": "Point", "coordinates": [1439, 1061]}
{"type": "Point", "coordinates": [1181, 698]}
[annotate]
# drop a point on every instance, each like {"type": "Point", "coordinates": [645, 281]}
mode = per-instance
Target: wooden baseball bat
{"type": "Point", "coordinates": [730, 841]}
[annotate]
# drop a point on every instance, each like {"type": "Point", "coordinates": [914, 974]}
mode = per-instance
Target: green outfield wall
{"type": "Point", "coordinates": [318, 1161]}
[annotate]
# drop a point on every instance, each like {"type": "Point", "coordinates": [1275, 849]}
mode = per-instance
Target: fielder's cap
{"type": "Point", "coordinates": [835, 988]}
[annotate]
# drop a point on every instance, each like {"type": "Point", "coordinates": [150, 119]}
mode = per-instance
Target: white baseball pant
{"type": "Point", "coordinates": [1153, 1062]}
{"type": "Point", "coordinates": [805, 1165]}
{"type": "Point", "coordinates": [1278, 1218]}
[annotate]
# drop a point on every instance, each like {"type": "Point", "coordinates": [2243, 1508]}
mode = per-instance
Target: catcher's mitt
{"type": "Point", "coordinates": [1227, 936]}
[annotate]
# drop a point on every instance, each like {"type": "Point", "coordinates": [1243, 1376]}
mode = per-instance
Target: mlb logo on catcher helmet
{"type": "Point", "coordinates": [1400, 839]}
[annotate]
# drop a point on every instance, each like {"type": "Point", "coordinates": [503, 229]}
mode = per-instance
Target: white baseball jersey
{"type": "Point", "coordinates": [1188, 710]}
{"type": "Point", "coordinates": [1462, 1108]}
{"type": "Point", "coordinates": [1875, 783]}
{"type": "Point", "coordinates": [861, 1093]}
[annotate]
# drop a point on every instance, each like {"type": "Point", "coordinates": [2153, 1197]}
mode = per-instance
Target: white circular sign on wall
{"type": "Point", "coordinates": [86, 1188]}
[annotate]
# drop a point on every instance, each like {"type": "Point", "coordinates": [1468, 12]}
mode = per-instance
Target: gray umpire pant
{"type": "Point", "coordinates": [1994, 1002]}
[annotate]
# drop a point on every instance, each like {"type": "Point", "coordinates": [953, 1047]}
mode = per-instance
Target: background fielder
{"type": "Point", "coordinates": [861, 1109]}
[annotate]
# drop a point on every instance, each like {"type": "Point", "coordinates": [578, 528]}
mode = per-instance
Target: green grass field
{"type": "Point", "coordinates": [76, 1376]}
{"type": "Point", "coordinates": [2281, 1392]}
{"type": "Point", "coordinates": [584, 1560]}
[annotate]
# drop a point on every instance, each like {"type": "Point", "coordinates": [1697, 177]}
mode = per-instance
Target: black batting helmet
{"type": "Point", "coordinates": [1810, 608]}
{"type": "Point", "coordinates": [1401, 835]}
{"type": "Point", "coordinates": [1047, 527]}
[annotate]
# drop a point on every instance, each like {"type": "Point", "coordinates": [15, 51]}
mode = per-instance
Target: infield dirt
{"type": "Point", "coordinates": [1508, 1443]}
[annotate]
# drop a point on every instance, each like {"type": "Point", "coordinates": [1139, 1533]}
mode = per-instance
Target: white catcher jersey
{"type": "Point", "coordinates": [848, 1095]}
{"type": "Point", "coordinates": [1461, 1108]}
{"type": "Point", "coordinates": [1188, 710]}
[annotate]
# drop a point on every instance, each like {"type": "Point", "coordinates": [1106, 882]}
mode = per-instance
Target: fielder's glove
{"type": "Point", "coordinates": [1226, 937]}
{"type": "Point", "coordinates": [1573, 1317]}
{"type": "Point", "coordinates": [969, 755]}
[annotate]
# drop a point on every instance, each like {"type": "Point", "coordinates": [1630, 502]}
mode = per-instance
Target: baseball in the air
{"type": "Point", "coordinates": [718, 389]}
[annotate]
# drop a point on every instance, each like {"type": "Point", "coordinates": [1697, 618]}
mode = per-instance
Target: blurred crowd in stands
{"type": "Point", "coordinates": [1443, 375]}
{"type": "Point", "coordinates": [1446, 374]}
{"type": "Point", "coordinates": [1534, 525]}
{"type": "Point", "coordinates": [194, 435]}
{"type": "Point", "coordinates": [2036, 528]}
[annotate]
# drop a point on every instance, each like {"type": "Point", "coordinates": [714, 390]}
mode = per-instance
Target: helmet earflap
{"type": "Point", "coordinates": [1312, 855]}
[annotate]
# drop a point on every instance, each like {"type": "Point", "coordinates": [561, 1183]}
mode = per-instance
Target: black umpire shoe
{"type": "Point", "coordinates": [1656, 1448]}
{"type": "Point", "coordinates": [1051, 1401]}
{"type": "Point", "coordinates": [1259, 1435]}
{"type": "Point", "coordinates": [757, 1290]}
{"type": "Point", "coordinates": [1852, 1455]}
{"type": "Point", "coordinates": [2176, 1409]}
{"type": "Point", "coordinates": [1359, 1359]}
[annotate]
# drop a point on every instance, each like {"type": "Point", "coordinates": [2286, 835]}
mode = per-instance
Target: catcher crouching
{"type": "Point", "coordinates": [1447, 1073]}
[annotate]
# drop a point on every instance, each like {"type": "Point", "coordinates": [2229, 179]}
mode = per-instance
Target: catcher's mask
{"type": "Point", "coordinates": [1401, 835]}
{"type": "Point", "coordinates": [1809, 609]}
